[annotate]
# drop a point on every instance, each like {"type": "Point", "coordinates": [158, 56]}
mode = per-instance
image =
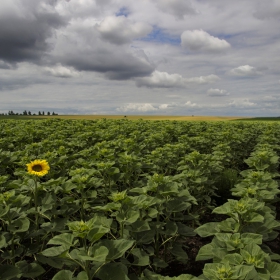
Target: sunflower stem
{"type": "Point", "coordinates": [36, 203]}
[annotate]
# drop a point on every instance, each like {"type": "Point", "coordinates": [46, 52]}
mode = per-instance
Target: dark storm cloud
{"type": "Point", "coordinates": [24, 30]}
{"type": "Point", "coordinates": [115, 66]}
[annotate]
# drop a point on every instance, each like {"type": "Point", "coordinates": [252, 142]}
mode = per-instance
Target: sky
{"type": "Point", "coordinates": [146, 57]}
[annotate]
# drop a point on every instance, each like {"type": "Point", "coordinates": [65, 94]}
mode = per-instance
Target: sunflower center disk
{"type": "Point", "coordinates": [37, 168]}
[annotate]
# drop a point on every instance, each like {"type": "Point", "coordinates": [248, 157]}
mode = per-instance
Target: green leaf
{"type": "Point", "coordinates": [141, 258]}
{"type": "Point", "coordinates": [274, 269]}
{"type": "Point", "coordinates": [140, 226]}
{"type": "Point", "coordinates": [207, 229]}
{"type": "Point", "coordinates": [170, 229]}
{"type": "Point", "coordinates": [55, 251]}
{"type": "Point", "coordinates": [80, 255]}
{"type": "Point", "coordinates": [185, 230]}
{"type": "Point", "coordinates": [113, 271]}
{"type": "Point", "coordinates": [65, 239]}
{"type": "Point", "coordinates": [116, 247]}
{"type": "Point", "coordinates": [96, 233]}
{"type": "Point", "coordinates": [233, 259]}
{"type": "Point", "coordinates": [177, 205]}
{"type": "Point", "coordinates": [98, 253]}
{"type": "Point", "coordinates": [159, 263]}
{"type": "Point", "coordinates": [54, 262]}
{"type": "Point", "coordinates": [3, 239]}
{"type": "Point", "coordinates": [19, 225]}
{"type": "Point", "coordinates": [229, 225]}
{"type": "Point", "coordinates": [4, 210]}
{"type": "Point", "coordinates": [205, 253]}
{"type": "Point", "coordinates": [179, 253]}
{"type": "Point", "coordinates": [145, 237]}
{"type": "Point", "coordinates": [82, 276]}
{"type": "Point", "coordinates": [30, 270]}
{"type": "Point", "coordinates": [254, 217]}
{"type": "Point", "coordinates": [8, 272]}
{"type": "Point", "coordinates": [131, 216]}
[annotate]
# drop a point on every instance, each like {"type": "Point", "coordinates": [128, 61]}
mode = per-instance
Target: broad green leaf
{"type": "Point", "coordinates": [185, 230]}
{"type": "Point", "coordinates": [229, 225]}
{"type": "Point", "coordinates": [205, 253]}
{"type": "Point", "coordinates": [19, 225]}
{"type": "Point", "coordinates": [116, 247]}
{"type": "Point", "coordinates": [140, 226]}
{"type": "Point", "coordinates": [65, 239]}
{"type": "Point", "coordinates": [207, 229]}
{"type": "Point", "coordinates": [4, 210]}
{"type": "Point", "coordinates": [55, 251]}
{"type": "Point", "coordinates": [53, 262]}
{"type": "Point", "coordinates": [82, 276]}
{"type": "Point", "coordinates": [254, 218]}
{"type": "Point", "coordinates": [98, 253]}
{"type": "Point", "coordinates": [274, 269]}
{"type": "Point", "coordinates": [179, 253]}
{"type": "Point", "coordinates": [141, 258]}
{"type": "Point", "coordinates": [30, 270]}
{"type": "Point", "coordinates": [113, 271]}
{"type": "Point", "coordinates": [145, 237]}
{"type": "Point", "coordinates": [233, 259]}
{"type": "Point", "coordinates": [80, 255]}
{"type": "Point", "coordinates": [177, 205]}
{"type": "Point", "coordinates": [3, 239]}
{"type": "Point", "coordinates": [171, 229]}
{"type": "Point", "coordinates": [96, 233]}
{"type": "Point", "coordinates": [130, 217]}
{"type": "Point", "coordinates": [8, 272]}
{"type": "Point", "coordinates": [159, 263]}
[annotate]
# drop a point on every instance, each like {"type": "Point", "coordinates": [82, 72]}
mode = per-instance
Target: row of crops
{"type": "Point", "coordinates": [122, 199]}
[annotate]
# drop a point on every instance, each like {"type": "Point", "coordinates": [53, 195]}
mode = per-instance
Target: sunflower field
{"type": "Point", "coordinates": [139, 200]}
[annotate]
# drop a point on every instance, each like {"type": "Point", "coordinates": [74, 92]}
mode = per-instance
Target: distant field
{"type": "Point", "coordinates": [135, 117]}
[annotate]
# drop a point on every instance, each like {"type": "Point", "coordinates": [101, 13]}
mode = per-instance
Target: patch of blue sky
{"type": "Point", "coordinates": [122, 12]}
{"type": "Point", "coordinates": [160, 36]}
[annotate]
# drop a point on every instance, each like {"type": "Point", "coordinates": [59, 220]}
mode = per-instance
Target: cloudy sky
{"type": "Point", "coordinates": [164, 57]}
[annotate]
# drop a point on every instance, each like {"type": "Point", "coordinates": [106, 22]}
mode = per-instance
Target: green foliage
{"type": "Point", "coordinates": [123, 198]}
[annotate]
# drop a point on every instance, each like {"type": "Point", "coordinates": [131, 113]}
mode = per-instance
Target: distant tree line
{"type": "Point", "coordinates": [28, 113]}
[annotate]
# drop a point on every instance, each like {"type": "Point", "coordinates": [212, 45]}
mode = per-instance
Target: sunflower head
{"type": "Point", "coordinates": [38, 167]}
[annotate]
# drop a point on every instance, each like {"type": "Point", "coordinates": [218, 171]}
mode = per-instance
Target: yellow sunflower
{"type": "Point", "coordinates": [38, 167]}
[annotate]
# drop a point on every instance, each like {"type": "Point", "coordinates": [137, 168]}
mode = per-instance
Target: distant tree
{"type": "Point", "coordinates": [49, 113]}
{"type": "Point", "coordinates": [29, 113]}
{"type": "Point", "coordinates": [43, 113]}
{"type": "Point", "coordinates": [53, 113]}
{"type": "Point", "coordinates": [39, 113]}
{"type": "Point", "coordinates": [24, 113]}
{"type": "Point", "coordinates": [34, 114]}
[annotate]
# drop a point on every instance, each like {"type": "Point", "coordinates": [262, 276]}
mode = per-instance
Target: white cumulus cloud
{"type": "Point", "coordinates": [217, 92]}
{"type": "Point", "coordinates": [120, 30]}
{"type": "Point", "coordinates": [161, 80]}
{"type": "Point", "coordinates": [165, 80]}
{"type": "Point", "coordinates": [242, 103]}
{"type": "Point", "coordinates": [61, 71]}
{"type": "Point", "coordinates": [203, 79]}
{"type": "Point", "coordinates": [190, 104]}
{"type": "Point", "coordinates": [137, 107]}
{"type": "Point", "coordinates": [199, 40]}
{"type": "Point", "coordinates": [245, 71]}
